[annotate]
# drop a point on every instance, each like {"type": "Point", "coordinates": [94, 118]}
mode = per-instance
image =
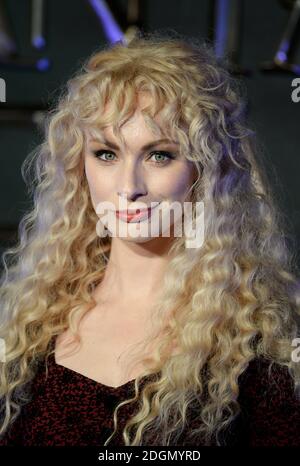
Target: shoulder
{"type": "Point", "coordinates": [269, 404]}
{"type": "Point", "coordinates": [263, 377]}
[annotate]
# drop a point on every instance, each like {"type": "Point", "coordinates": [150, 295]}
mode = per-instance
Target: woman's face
{"type": "Point", "coordinates": [142, 176]}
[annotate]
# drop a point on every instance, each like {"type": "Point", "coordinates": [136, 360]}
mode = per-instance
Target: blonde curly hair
{"type": "Point", "coordinates": [232, 300]}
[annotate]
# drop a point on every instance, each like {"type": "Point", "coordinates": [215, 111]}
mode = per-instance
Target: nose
{"type": "Point", "coordinates": [132, 184]}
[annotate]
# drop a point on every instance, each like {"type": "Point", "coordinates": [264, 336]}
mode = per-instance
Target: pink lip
{"type": "Point", "coordinates": [134, 217]}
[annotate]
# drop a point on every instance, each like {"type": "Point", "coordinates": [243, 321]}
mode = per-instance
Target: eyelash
{"type": "Point", "coordinates": [167, 154]}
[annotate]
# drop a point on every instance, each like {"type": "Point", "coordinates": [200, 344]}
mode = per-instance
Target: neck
{"type": "Point", "coordinates": [134, 270]}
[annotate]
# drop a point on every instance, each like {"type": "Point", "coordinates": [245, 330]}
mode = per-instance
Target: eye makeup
{"type": "Point", "coordinates": [162, 153]}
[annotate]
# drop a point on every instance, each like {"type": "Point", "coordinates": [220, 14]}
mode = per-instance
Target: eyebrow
{"type": "Point", "coordinates": [145, 147]}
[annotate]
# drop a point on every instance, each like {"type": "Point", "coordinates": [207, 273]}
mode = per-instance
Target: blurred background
{"type": "Point", "coordinates": [42, 43]}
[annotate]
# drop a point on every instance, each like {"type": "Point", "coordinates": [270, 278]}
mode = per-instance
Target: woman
{"type": "Point", "coordinates": [177, 344]}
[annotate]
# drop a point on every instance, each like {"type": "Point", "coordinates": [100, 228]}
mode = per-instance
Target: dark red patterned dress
{"type": "Point", "coordinates": [70, 409]}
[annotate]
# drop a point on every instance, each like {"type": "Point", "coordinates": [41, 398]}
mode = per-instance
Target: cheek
{"type": "Point", "coordinates": [96, 183]}
{"type": "Point", "coordinates": [176, 185]}
{"type": "Point", "coordinates": [91, 178]}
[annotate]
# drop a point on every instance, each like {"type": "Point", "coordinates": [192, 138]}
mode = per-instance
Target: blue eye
{"type": "Point", "coordinates": [102, 152]}
{"type": "Point", "coordinates": [163, 153]}
{"type": "Point", "coordinates": [166, 155]}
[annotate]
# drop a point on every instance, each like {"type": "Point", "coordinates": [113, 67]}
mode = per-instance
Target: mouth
{"type": "Point", "coordinates": [134, 217]}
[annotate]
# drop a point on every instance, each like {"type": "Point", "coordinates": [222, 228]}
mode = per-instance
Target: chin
{"type": "Point", "coordinates": [139, 233]}
{"type": "Point", "coordinates": [138, 240]}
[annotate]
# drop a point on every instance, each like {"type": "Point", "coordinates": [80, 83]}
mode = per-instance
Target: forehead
{"type": "Point", "coordinates": [133, 128]}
